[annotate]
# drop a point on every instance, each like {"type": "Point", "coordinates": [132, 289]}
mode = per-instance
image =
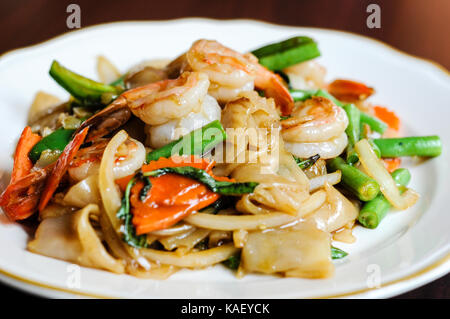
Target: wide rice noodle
{"type": "Point", "coordinates": [259, 221]}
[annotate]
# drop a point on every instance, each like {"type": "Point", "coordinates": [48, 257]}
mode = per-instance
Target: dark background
{"type": "Point", "coordinates": [419, 27]}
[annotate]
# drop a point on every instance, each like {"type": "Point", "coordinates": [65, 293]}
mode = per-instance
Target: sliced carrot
{"type": "Point", "coordinates": [61, 167]}
{"type": "Point", "coordinates": [164, 208]}
{"type": "Point", "coordinates": [349, 91]}
{"type": "Point", "coordinates": [392, 164]}
{"type": "Point", "coordinates": [387, 116]}
{"type": "Point", "coordinates": [22, 163]}
{"type": "Point", "coordinates": [172, 197]}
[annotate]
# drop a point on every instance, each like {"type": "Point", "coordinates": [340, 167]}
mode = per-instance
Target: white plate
{"type": "Point", "coordinates": [409, 249]}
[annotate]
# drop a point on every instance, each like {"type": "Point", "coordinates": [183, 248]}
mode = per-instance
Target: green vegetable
{"type": "Point", "coordinates": [233, 262]}
{"type": "Point", "coordinates": [119, 82]}
{"type": "Point", "coordinates": [337, 253]}
{"type": "Point", "coordinates": [54, 141]}
{"type": "Point", "coordinates": [302, 95]}
{"type": "Point", "coordinates": [352, 131]}
{"type": "Point", "coordinates": [280, 55]}
{"type": "Point", "coordinates": [196, 142]}
{"type": "Point", "coordinates": [284, 76]}
{"type": "Point", "coordinates": [375, 210]}
{"type": "Point", "coordinates": [144, 191]}
{"type": "Point", "coordinates": [374, 123]}
{"type": "Point", "coordinates": [352, 157]}
{"type": "Point", "coordinates": [87, 91]}
{"type": "Point", "coordinates": [124, 213]}
{"type": "Point", "coordinates": [327, 95]}
{"type": "Point", "coordinates": [219, 187]}
{"type": "Point", "coordinates": [222, 203]}
{"type": "Point", "coordinates": [307, 163]}
{"type": "Point", "coordinates": [428, 146]}
{"type": "Point", "coordinates": [361, 185]}
{"type": "Point", "coordinates": [375, 147]}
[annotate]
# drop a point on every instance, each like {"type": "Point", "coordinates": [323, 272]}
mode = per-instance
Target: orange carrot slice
{"type": "Point", "coordinates": [392, 164]}
{"type": "Point", "coordinates": [172, 197]}
{"type": "Point", "coordinates": [387, 116]}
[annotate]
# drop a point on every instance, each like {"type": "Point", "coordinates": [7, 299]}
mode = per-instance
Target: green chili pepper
{"type": "Point", "coordinates": [54, 141]}
{"type": "Point", "coordinates": [87, 91]}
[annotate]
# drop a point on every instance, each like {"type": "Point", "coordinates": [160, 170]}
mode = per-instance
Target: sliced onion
{"type": "Point", "coordinates": [199, 259]}
{"type": "Point", "coordinates": [375, 169]}
{"type": "Point", "coordinates": [107, 72]}
{"type": "Point", "coordinates": [175, 230]}
{"type": "Point", "coordinates": [260, 221]}
{"type": "Point", "coordinates": [319, 181]}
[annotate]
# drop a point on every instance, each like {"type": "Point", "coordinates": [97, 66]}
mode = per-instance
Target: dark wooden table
{"type": "Point", "coordinates": [418, 27]}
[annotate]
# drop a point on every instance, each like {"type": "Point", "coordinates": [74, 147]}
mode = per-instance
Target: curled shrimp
{"type": "Point", "coordinates": [316, 127]}
{"type": "Point", "coordinates": [155, 104]}
{"type": "Point", "coordinates": [231, 73]}
{"type": "Point", "coordinates": [162, 101]}
{"type": "Point", "coordinates": [160, 135]}
{"type": "Point", "coordinates": [129, 158]}
{"type": "Point", "coordinates": [306, 75]}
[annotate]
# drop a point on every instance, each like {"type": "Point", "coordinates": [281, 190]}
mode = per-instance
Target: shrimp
{"type": "Point", "coordinates": [162, 101]}
{"type": "Point", "coordinates": [130, 157]}
{"type": "Point", "coordinates": [316, 127]}
{"type": "Point", "coordinates": [155, 104]}
{"type": "Point", "coordinates": [231, 73]}
{"type": "Point", "coordinates": [160, 135]}
{"type": "Point", "coordinates": [306, 75]}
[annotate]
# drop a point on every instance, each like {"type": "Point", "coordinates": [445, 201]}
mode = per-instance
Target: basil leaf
{"type": "Point", "coordinates": [219, 187]}
{"type": "Point", "coordinates": [337, 253]}
{"type": "Point", "coordinates": [233, 262]}
{"type": "Point", "coordinates": [124, 213]}
{"type": "Point", "coordinates": [307, 163]}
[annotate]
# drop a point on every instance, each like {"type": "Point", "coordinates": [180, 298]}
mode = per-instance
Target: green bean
{"type": "Point", "coordinates": [352, 157]}
{"type": "Point", "coordinates": [280, 55]}
{"type": "Point", "coordinates": [428, 146]}
{"type": "Point", "coordinates": [196, 142]}
{"type": "Point", "coordinates": [358, 183]}
{"type": "Point", "coordinates": [375, 147]}
{"type": "Point", "coordinates": [375, 210]}
{"type": "Point", "coordinates": [87, 91]}
{"type": "Point", "coordinates": [352, 131]}
{"type": "Point", "coordinates": [374, 123]}
{"type": "Point", "coordinates": [302, 95]}
{"type": "Point", "coordinates": [327, 95]}
{"type": "Point", "coordinates": [119, 82]}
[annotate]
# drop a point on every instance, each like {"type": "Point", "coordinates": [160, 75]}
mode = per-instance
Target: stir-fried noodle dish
{"type": "Point", "coordinates": [248, 160]}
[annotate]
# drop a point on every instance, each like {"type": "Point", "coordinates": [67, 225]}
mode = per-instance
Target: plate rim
{"type": "Point", "coordinates": [432, 271]}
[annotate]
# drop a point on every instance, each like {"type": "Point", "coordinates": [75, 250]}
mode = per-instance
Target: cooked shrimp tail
{"type": "Point", "coordinates": [273, 87]}
{"type": "Point", "coordinates": [107, 120]}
